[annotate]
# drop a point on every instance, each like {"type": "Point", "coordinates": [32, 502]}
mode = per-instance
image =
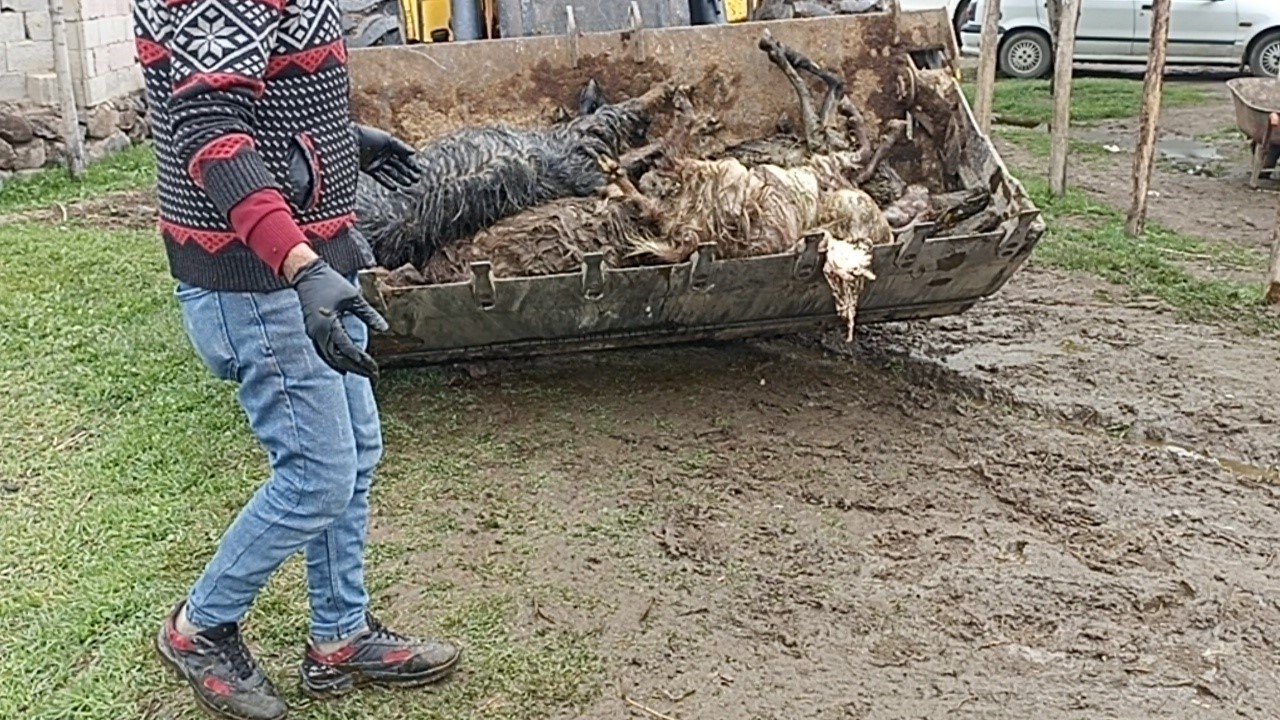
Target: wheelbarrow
{"type": "Point", "coordinates": [1257, 102]}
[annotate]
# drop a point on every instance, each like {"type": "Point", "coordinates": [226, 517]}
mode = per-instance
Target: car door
{"type": "Point", "coordinates": [1106, 28]}
{"type": "Point", "coordinates": [1197, 29]}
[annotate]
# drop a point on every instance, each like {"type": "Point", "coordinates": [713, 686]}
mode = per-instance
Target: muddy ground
{"type": "Point", "coordinates": [1201, 186]}
{"type": "Point", "coordinates": [769, 530]}
{"type": "Point", "coordinates": [1054, 506]}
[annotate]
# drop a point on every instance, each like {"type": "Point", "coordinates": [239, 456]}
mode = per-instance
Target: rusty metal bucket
{"type": "Point", "coordinates": [1257, 105]}
{"type": "Point", "coordinates": [423, 92]}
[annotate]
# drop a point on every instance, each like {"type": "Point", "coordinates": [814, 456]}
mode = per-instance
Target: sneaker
{"type": "Point", "coordinates": [379, 657]}
{"type": "Point", "coordinates": [226, 680]}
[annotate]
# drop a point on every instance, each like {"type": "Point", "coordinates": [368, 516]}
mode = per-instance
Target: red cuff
{"type": "Point", "coordinates": [265, 223]}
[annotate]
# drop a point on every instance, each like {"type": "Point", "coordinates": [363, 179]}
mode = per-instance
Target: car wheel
{"type": "Point", "coordinates": [1264, 59]}
{"type": "Point", "coordinates": [1026, 54]}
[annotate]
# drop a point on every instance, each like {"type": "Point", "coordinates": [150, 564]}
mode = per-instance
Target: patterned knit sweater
{"type": "Point", "coordinates": [240, 91]}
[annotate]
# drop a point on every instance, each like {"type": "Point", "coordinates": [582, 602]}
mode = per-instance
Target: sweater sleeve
{"type": "Point", "coordinates": [264, 222]}
{"type": "Point", "coordinates": [219, 51]}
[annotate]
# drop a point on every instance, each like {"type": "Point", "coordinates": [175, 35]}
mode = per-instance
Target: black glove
{"type": "Point", "coordinates": [388, 159]}
{"type": "Point", "coordinates": [326, 296]}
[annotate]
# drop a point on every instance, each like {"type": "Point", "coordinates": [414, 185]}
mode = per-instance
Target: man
{"type": "Point", "coordinates": [257, 169]}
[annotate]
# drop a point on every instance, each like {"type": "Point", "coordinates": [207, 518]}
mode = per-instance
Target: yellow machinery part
{"type": "Point", "coordinates": [737, 10]}
{"type": "Point", "coordinates": [424, 19]}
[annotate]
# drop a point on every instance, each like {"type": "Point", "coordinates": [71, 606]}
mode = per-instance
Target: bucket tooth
{"type": "Point", "coordinates": [914, 237]}
{"type": "Point", "coordinates": [482, 285]}
{"type": "Point", "coordinates": [593, 276]}
{"type": "Point", "coordinates": [810, 255]}
{"type": "Point", "coordinates": [1013, 242]}
{"type": "Point", "coordinates": [371, 292]}
{"type": "Point", "coordinates": [700, 273]}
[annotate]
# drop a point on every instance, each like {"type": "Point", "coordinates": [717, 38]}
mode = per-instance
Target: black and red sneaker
{"type": "Point", "coordinates": [378, 657]}
{"type": "Point", "coordinates": [223, 674]}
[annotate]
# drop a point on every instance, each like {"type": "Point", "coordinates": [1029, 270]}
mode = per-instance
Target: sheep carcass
{"type": "Point", "coordinates": [478, 176]}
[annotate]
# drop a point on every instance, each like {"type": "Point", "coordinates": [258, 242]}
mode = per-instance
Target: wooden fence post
{"type": "Point", "coordinates": [1152, 92]}
{"type": "Point", "coordinates": [1273, 273]}
{"type": "Point", "coordinates": [1060, 140]}
{"type": "Point", "coordinates": [987, 65]}
{"type": "Point", "coordinates": [1273, 270]}
{"type": "Point", "coordinates": [70, 114]}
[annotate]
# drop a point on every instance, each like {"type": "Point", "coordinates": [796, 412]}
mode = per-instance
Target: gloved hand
{"type": "Point", "coordinates": [326, 297]}
{"type": "Point", "coordinates": [388, 159]}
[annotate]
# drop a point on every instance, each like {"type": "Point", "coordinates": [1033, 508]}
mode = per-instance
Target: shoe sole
{"type": "Point", "coordinates": [358, 680]}
{"type": "Point", "coordinates": [208, 709]}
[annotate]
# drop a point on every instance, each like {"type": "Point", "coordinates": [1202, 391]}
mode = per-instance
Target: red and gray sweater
{"type": "Point", "coordinates": [238, 91]}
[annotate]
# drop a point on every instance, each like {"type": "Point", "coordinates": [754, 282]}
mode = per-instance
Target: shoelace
{"type": "Point", "coordinates": [379, 631]}
{"type": "Point", "coordinates": [234, 653]}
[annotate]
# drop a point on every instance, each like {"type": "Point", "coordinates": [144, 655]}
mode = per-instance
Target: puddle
{"type": "Point", "coordinates": [1171, 148]}
{"type": "Point", "coordinates": [1183, 153]}
{"type": "Point", "coordinates": [1189, 151]}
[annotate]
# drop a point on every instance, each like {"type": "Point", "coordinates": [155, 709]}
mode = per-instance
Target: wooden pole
{"type": "Point", "coordinates": [1273, 274]}
{"type": "Point", "coordinates": [1152, 92]}
{"type": "Point", "coordinates": [1273, 271]}
{"type": "Point", "coordinates": [987, 65]}
{"type": "Point", "coordinates": [1061, 128]}
{"type": "Point", "coordinates": [67, 95]}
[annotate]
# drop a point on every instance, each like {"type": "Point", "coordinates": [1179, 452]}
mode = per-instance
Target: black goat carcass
{"type": "Point", "coordinates": [478, 176]}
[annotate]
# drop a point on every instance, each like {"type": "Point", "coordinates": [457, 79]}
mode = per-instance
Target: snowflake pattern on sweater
{"type": "Point", "coordinates": [238, 91]}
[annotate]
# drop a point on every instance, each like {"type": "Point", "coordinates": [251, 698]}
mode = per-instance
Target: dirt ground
{"type": "Point", "coordinates": [1201, 186]}
{"type": "Point", "coordinates": [945, 522]}
{"type": "Point", "coordinates": [1052, 506]}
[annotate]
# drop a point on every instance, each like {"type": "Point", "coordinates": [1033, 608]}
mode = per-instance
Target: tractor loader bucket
{"type": "Point", "coordinates": [424, 92]}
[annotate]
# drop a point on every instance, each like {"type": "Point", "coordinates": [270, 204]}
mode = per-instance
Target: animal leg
{"type": "Point", "coordinates": [834, 83]}
{"type": "Point", "coordinates": [687, 125]}
{"type": "Point", "coordinates": [591, 98]}
{"type": "Point", "coordinates": [653, 98]}
{"type": "Point", "coordinates": [808, 116]}
{"type": "Point", "coordinates": [649, 209]}
{"type": "Point", "coordinates": [856, 126]}
{"type": "Point", "coordinates": [896, 133]}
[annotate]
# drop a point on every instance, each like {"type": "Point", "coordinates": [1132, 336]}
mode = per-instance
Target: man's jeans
{"type": "Point", "coordinates": [321, 433]}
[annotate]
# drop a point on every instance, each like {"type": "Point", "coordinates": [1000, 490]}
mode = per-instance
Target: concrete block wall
{"type": "Point", "coordinates": [105, 76]}
{"type": "Point", "coordinates": [100, 40]}
{"type": "Point", "coordinates": [26, 51]}
{"type": "Point", "coordinates": [100, 33]}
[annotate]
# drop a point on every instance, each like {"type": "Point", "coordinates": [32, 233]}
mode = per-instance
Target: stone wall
{"type": "Point", "coordinates": [31, 135]}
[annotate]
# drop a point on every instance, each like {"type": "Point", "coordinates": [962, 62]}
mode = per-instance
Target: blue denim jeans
{"type": "Point", "coordinates": [323, 439]}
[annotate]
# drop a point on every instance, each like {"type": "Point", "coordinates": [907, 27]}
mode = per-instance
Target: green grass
{"type": "Point", "coordinates": [1029, 102]}
{"type": "Point", "coordinates": [1085, 236]}
{"type": "Point", "coordinates": [128, 170]}
{"type": "Point", "coordinates": [1037, 143]}
{"type": "Point", "coordinates": [123, 461]}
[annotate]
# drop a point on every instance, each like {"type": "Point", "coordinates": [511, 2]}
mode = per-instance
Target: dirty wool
{"type": "Point", "coordinates": [537, 202]}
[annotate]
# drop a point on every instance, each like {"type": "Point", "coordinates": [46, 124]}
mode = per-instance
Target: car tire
{"type": "Point", "coordinates": [1264, 57]}
{"type": "Point", "coordinates": [1026, 54]}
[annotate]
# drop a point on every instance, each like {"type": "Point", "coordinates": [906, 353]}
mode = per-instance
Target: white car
{"type": "Point", "coordinates": [1201, 32]}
